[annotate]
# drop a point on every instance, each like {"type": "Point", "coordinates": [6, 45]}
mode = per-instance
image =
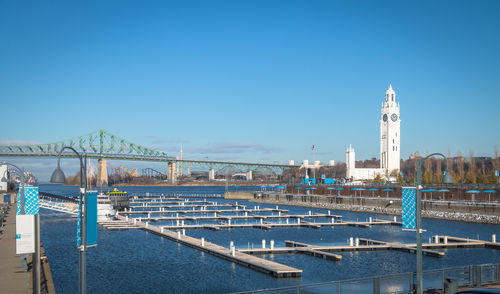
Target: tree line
{"type": "Point", "coordinates": [464, 169]}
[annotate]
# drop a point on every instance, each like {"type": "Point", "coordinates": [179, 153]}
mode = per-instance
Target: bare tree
{"type": "Point", "coordinates": [438, 175]}
{"type": "Point", "coordinates": [471, 174]}
{"type": "Point", "coordinates": [460, 167]}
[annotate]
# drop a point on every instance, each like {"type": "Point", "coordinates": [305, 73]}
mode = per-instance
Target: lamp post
{"type": "Point", "coordinates": [447, 179]}
{"type": "Point", "coordinates": [58, 177]}
{"type": "Point", "coordinates": [36, 255]}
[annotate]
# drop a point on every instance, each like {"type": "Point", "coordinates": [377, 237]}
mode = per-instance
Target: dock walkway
{"type": "Point", "coordinates": [13, 276]}
{"type": "Point", "coordinates": [276, 269]}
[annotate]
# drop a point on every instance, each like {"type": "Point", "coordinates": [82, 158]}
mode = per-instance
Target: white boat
{"type": "Point", "coordinates": [105, 211]}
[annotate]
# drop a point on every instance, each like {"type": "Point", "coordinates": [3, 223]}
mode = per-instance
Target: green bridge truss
{"type": "Point", "coordinates": [103, 144]}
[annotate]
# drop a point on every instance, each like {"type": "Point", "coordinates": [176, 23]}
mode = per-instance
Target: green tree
{"type": "Point", "coordinates": [400, 179]}
{"type": "Point", "coordinates": [470, 178]}
{"type": "Point", "coordinates": [492, 179]}
{"type": "Point", "coordinates": [427, 177]}
{"type": "Point", "coordinates": [438, 175]}
{"type": "Point", "coordinates": [480, 178]}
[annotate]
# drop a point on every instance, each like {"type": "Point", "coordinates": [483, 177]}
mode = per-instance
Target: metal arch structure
{"type": "Point", "coordinates": [150, 172]}
{"type": "Point", "coordinates": [99, 144]}
{"type": "Point", "coordinates": [103, 144]}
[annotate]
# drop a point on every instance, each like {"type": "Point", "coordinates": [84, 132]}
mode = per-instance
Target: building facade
{"type": "Point", "coordinates": [390, 143]}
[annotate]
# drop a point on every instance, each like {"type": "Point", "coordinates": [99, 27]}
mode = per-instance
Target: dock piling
{"type": "Point", "coordinates": [357, 242]}
{"type": "Point", "coordinates": [351, 241]}
{"type": "Point", "coordinates": [202, 241]}
{"type": "Point", "coordinates": [183, 232]}
{"type": "Point", "coordinates": [178, 234]}
{"type": "Point", "coordinates": [494, 238]}
{"type": "Point", "coordinates": [271, 243]}
{"type": "Point", "coordinates": [263, 243]}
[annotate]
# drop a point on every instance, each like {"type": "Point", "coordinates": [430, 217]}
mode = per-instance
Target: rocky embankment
{"type": "Point", "coordinates": [456, 216]}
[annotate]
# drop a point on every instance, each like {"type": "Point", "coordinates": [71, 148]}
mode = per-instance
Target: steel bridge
{"type": "Point", "coordinates": [104, 145]}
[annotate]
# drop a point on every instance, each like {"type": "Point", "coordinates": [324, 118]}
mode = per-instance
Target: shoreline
{"type": "Point", "coordinates": [451, 216]}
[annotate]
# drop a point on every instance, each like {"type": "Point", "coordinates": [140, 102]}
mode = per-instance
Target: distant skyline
{"type": "Point", "coordinates": [258, 81]}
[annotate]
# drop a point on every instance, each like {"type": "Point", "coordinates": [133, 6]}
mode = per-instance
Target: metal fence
{"type": "Point", "coordinates": [471, 275]}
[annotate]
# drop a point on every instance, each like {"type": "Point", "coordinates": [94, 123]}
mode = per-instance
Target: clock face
{"type": "Point", "coordinates": [385, 117]}
{"type": "Point", "coordinates": [394, 117]}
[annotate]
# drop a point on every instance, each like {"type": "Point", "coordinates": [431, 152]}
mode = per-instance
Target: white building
{"type": "Point", "coordinates": [389, 144]}
{"type": "Point", "coordinates": [3, 177]}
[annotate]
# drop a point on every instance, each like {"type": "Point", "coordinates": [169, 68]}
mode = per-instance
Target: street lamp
{"type": "Point", "coordinates": [36, 255]}
{"type": "Point", "coordinates": [58, 177]}
{"type": "Point", "coordinates": [447, 179]}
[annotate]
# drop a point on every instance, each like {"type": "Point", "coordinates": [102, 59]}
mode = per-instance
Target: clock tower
{"type": "Point", "coordinates": [390, 134]}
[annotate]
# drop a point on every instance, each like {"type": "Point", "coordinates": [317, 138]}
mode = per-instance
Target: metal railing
{"type": "Point", "coordinates": [471, 275]}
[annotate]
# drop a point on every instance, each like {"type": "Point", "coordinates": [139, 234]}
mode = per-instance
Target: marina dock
{"type": "Point", "coordinates": [270, 267]}
{"type": "Point", "coordinates": [189, 215]}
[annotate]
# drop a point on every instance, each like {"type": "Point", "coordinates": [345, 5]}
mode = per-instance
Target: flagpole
{"type": "Point", "coordinates": [314, 164]}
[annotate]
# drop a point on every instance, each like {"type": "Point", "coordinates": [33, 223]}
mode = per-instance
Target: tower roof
{"type": "Point", "coordinates": [390, 90]}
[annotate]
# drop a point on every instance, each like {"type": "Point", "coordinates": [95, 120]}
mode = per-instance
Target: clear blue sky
{"type": "Point", "coordinates": [252, 80]}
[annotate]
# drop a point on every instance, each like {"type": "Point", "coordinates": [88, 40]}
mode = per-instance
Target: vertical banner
{"type": "Point", "coordinates": [408, 208]}
{"type": "Point", "coordinates": [30, 200]}
{"type": "Point", "coordinates": [25, 223]}
{"type": "Point", "coordinates": [91, 220]}
{"type": "Point", "coordinates": [25, 234]}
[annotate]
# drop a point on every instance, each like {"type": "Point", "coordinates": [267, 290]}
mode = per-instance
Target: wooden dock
{"type": "Point", "coordinates": [360, 245]}
{"type": "Point", "coordinates": [207, 211]}
{"type": "Point", "coordinates": [246, 257]}
{"type": "Point", "coordinates": [270, 267]}
{"type": "Point", "coordinates": [177, 195]}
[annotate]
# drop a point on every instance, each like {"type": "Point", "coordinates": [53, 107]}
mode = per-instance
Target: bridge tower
{"type": "Point", "coordinates": [249, 175]}
{"type": "Point", "coordinates": [102, 173]}
{"type": "Point", "coordinates": [211, 174]}
{"type": "Point", "coordinates": [172, 173]}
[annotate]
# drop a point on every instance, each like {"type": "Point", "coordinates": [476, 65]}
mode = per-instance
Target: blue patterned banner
{"type": "Point", "coordinates": [408, 208]}
{"type": "Point", "coordinates": [91, 220]}
{"type": "Point", "coordinates": [30, 201]}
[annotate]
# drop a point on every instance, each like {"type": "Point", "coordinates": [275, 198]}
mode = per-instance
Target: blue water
{"type": "Point", "coordinates": [137, 262]}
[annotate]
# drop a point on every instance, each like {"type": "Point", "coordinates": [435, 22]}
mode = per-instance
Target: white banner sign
{"type": "Point", "coordinates": [25, 234]}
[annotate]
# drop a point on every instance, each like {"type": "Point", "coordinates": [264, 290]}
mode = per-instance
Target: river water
{"type": "Point", "coordinates": [138, 262]}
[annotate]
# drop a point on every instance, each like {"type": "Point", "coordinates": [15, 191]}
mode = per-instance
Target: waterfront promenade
{"type": "Point", "coordinates": [13, 276]}
{"type": "Point", "coordinates": [449, 210]}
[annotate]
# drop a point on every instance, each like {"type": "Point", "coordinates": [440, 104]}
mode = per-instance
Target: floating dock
{"type": "Point", "coordinates": [263, 265]}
